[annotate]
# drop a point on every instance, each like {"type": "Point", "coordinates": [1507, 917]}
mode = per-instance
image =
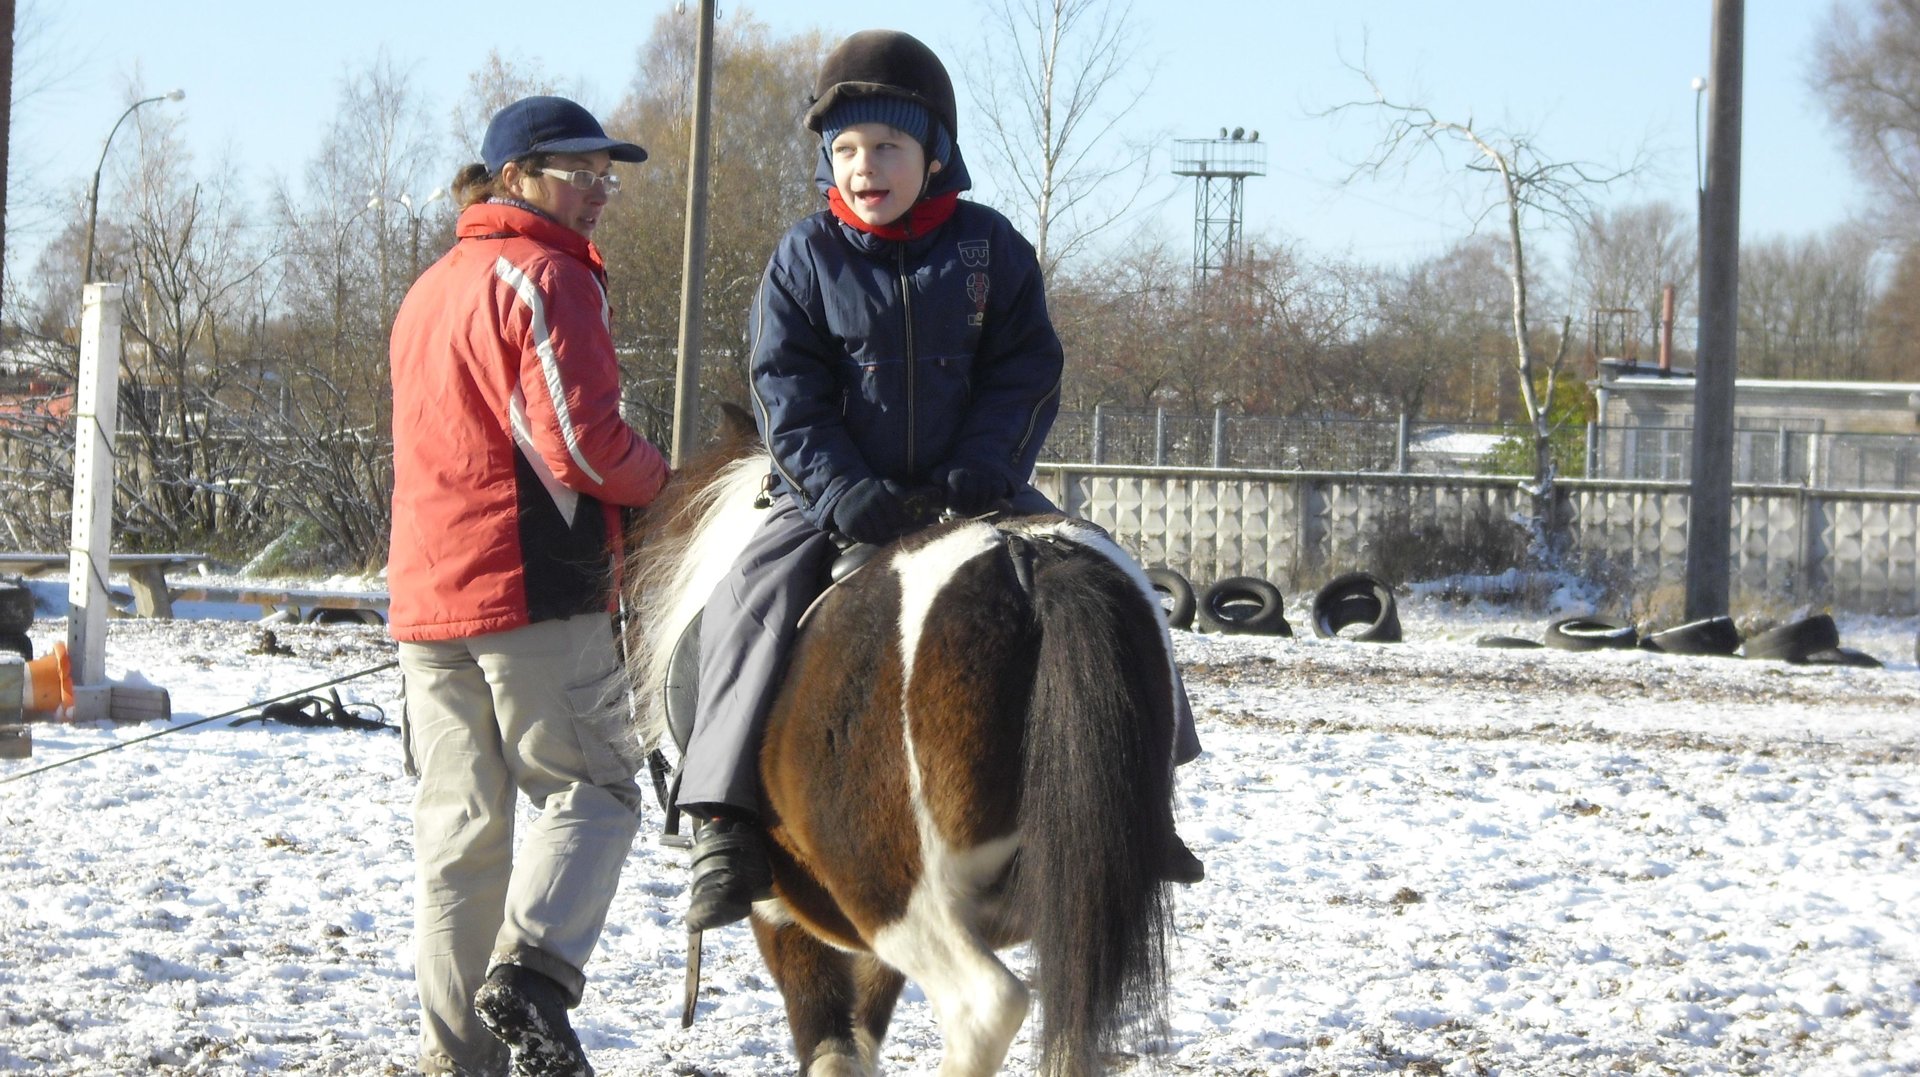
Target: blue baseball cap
{"type": "Point", "coordinates": [549, 125]}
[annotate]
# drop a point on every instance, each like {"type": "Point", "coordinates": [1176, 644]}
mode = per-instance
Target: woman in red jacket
{"type": "Point", "coordinates": [511, 462]}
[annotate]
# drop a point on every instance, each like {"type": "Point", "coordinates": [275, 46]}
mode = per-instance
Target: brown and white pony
{"type": "Point", "coordinates": [971, 748]}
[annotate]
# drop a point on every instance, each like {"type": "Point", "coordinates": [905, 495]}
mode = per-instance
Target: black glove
{"type": "Point", "coordinates": [870, 512]}
{"type": "Point", "coordinates": [971, 491]}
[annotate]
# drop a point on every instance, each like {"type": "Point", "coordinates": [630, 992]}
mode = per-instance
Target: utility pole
{"type": "Point", "coordinates": [6, 128]}
{"type": "Point", "coordinates": [693, 263]}
{"type": "Point", "coordinates": [1710, 499]}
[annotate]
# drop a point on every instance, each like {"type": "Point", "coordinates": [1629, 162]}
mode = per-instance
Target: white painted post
{"type": "Point", "coordinates": [96, 414]}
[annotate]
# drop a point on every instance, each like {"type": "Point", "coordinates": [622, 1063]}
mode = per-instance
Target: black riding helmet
{"type": "Point", "coordinates": [883, 63]}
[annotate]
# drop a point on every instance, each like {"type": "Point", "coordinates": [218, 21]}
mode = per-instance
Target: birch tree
{"type": "Point", "coordinates": [1051, 85]}
{"type": "Point", "coordinates": [1524, 190]}
{"type": "Point", "coordinates": [1866, 66]}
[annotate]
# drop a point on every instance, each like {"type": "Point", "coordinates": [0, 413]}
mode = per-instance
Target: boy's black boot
{"type": "Point", "coordinates": [1181, 866]}
{"type": "Point", "coordinates": [730, 872]}
{"type": "Point", "coordinates": [528, 1012]}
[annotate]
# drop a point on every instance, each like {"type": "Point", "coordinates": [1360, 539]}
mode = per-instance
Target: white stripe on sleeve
{"type": "Point", "coordinates": [529, 294]}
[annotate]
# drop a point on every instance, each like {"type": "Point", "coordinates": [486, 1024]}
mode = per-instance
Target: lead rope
{"type": "Point", "coordinates": [309, 690]}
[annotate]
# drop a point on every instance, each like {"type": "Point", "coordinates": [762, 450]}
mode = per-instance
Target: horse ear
{"type": "Point", "coordinates": [735, 422]}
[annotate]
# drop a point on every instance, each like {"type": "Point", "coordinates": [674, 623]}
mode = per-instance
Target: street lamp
{"type": "Point", "coordinates": [93, 193]}
{"type": "Point", "coordinates": [414, 216]}
{"type": "Point", "coordinates": [1699, 94]}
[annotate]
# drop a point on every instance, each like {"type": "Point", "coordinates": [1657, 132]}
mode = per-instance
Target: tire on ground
{"type": "Point", "coordinates": [1795, 641]}
{"type": "Point", "coordinates": [1176, 594]}
{"type": "Point", "coordinates": [1244, 605]}
{"type": "Point", "coordinates": [16, 643]}
{"type": "Point", "coordinates": [1356, 598]}
{"type": "Point", "coordinates": [1507, 643]}
{"type": "Point", "coordinates": [1709, 636]}
{"type": "Point", "coordinates": [1845, 656]}
{"type": "Point", "coordinates": [1590, 634]}
{"type": "Point", "coordinates": [16, 606]}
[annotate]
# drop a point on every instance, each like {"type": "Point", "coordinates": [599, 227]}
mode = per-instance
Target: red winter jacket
{"type": "Point", "coordinates": [509, 453]}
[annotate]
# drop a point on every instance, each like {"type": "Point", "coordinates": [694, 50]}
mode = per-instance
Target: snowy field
{"type": "Point", "coordinates": [1424, 858]}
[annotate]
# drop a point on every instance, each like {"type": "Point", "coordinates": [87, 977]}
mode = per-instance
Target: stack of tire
{"type": "Point", "coordinates": [1359, 601]}
{"type": "Point", "coordinates": [1356, 606]}
{"type": "Point", "coordinates": [1238, 605]}
{"type": "Point", "coordinates": [16, 616]}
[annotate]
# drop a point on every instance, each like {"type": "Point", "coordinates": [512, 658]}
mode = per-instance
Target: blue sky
{"type": "Point", "coordinates": [1590, 81]}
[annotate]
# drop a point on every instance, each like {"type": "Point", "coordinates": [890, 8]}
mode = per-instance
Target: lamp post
{"type": "Point", "coordinates": [93, 193]}
{"type": "Point", "coordinates": [1699, 96]}
{"type": "Point", "coordinates": [415, 214]}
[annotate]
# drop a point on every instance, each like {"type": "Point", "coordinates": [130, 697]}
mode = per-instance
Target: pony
{"type": "Point", "coordinates": [971, 747]}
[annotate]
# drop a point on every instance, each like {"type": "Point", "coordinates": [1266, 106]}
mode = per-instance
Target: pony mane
{"type": "Point", "coordinates": [687, 540]}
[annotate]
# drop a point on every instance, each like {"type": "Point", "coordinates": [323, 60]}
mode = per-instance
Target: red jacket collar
{"type": "Point", "coordinates": [499, 219]}
{"type": "Point", "coordinates": [925, 216]}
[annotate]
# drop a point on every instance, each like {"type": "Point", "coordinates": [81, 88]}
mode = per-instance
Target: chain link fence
{"type": "Point", "coordinates": [1772, 455]}
{"type": "Point", "coordinates": [1779, 452]}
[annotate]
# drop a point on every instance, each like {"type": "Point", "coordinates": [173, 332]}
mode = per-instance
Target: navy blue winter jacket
{"type": "Point", "coordinates": [902, 358]}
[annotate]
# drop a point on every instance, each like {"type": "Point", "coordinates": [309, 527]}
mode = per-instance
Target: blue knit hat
{"type": "Point", "coordinates": [909, 117]}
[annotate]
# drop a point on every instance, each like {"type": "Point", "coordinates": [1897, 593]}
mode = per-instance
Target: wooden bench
{"type": "Point", "coordinates": [146, 572]}
{"type": "Point", "coordinates": [302, 603]}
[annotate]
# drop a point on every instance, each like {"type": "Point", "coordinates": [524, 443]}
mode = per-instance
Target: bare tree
{"type": "Point", "coordinates": [1052, 84]}
{"type": "Point", "coordinates": [1435, 328]}
{"type": "Point", "coordinates": [1624, 258]}
{"type": "Point", "coordinates": [761, 173]}
{"type": "Point", "coordinates": [1806, 305]}
{"type": "Point", "coordinates": [189, 263]}
{"type": "Point", "coordinates": [1122, 321]}
{"type": "Point", "coordinates": [1525, 188]}
{"type": "Point", "coordinates": [323, 413]}
{"type": "Point", "coordinates": [1866, 66]}
{"type": "Point", "coordinates": [1895, 326]}
{"type": "Point", "coordinates": [498, 82]}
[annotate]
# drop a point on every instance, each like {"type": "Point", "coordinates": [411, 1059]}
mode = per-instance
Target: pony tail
{"type": "Point", "coordinates": [473, 184]}
{"type": "Point", "coordinates": [1095, 820]}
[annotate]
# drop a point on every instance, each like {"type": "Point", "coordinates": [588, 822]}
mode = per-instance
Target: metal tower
{"type": "Point", "coordinates": [1220, 167]}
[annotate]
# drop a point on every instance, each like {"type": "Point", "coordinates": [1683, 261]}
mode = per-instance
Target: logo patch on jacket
{"type": "Point", "coordinates": [973, 253]}
{"type": "Point", "coordinates": [977, 291]}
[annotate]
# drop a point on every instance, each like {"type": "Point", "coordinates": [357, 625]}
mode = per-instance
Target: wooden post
{"type": "Point", "coordinates": [1710, 503]}
{"type": "Point", "coordinates": [96, 415]}
{"type": "Point", "coordinates": [693, 255]}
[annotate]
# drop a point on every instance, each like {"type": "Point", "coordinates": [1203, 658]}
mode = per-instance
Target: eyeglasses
{"type": "Point", "coordinates": [585, 179]}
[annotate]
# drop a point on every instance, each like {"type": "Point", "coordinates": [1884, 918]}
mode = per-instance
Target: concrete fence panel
{"type": "Point", "coordinates": [1850, 550]}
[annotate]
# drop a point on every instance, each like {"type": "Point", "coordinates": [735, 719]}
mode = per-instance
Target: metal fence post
{"type": "Point", "coordinates": [1219, 437]}
{"type": "Point", "coordinates": [1400, 445]}
{"type": "Point", "coordinates": [1099, 452]}
{"type": "Point", "coordinates": [1159, 437]}
{"type": "Point", "coordinates": [1593, 450]}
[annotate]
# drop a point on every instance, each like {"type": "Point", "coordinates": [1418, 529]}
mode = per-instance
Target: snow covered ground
{"type": "Point", "coordinates": [1422, 858]}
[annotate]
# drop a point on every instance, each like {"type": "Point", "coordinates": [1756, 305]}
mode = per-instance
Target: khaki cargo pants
{"type": "Point", "coordinates": [539, 710]}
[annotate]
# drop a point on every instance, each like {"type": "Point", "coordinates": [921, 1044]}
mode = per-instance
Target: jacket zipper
{"type": "Point", "coordinates": [798, 491]}
{"type": "Point", "coordinates": [906, 313]}
{"type": "Point", "coordinates": [1033, 420]}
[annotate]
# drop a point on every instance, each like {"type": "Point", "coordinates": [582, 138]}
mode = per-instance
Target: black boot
{"type": "Point", "coordinates": [1180, 865]}
{"type": "Point", "coordinates": [528, 1012]}
{"type": "Point", "coordinates": [730, 872]}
